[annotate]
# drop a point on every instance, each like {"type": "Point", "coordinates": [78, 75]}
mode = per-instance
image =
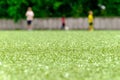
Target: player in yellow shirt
{"type": "Point", "coordinates": [90, 21]}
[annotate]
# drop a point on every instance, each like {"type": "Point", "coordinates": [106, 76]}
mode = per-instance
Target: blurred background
{"type": "Point", "coordinates": [49, 12]}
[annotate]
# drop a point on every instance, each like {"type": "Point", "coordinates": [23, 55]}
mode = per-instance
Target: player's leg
{"type": "Point", "coordinates": [63, 26]}
{"type": "Point", "coordinates": [91, 28]}
{"type": "Point", "coordinates": [29, 25]}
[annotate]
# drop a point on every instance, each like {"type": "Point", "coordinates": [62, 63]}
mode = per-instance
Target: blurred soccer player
{"type": "Point", "coordinates": [30, 16]}
{"type": "Point", "coordinates": [90, 21]}
{"type": "Point", "coordinates": [63, 23]}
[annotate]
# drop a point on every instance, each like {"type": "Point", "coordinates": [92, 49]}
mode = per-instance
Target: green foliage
{"type": "Point", "coordinates": [56, 8]}
{"type": "Point", "coordinates": [3, 8]}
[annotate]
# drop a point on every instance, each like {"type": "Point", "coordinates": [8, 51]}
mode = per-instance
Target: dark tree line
{"type": "Point", "coordinates": [56, 8]}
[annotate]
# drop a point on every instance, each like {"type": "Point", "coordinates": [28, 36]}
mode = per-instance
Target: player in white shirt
{"type": "Point", "coordinates": [30, 15]}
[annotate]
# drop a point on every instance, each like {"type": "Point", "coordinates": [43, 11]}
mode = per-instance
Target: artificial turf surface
{"type": "Point", "coordinates": [59, 55]}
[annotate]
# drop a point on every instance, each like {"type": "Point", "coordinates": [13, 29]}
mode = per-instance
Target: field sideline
{"type": "Point", "coordinates": [59, 55]}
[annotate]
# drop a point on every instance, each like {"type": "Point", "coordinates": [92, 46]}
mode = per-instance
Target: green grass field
{"type": "Point", "coordinates": [59, 55]}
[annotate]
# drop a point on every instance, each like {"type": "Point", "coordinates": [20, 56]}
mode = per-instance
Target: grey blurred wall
{"type": "Point", "coordinates": [55, 23]}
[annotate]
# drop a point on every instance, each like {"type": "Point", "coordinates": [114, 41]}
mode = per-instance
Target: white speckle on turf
{"type": "Point", "coordinates": [80, 65]}
{"type": "Point", "coordinates": [1, 72]}
{"type": "Point", "coordinates": [43, 66]}
{"type": "Point", "coordinates": [39, 65]}
{"type": "Point", "coordinates": [26, 71]}
{"type": "Point", "coordinates": [0, 63]}
{"type": "Point", "coordinates": [117, 62]}
{"type": "Point", "coordinates": [96, 64]}
{"type": "Point", "coordinates": [46, 67]}
{"type": "Point", "coordinates": [66, 75]}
